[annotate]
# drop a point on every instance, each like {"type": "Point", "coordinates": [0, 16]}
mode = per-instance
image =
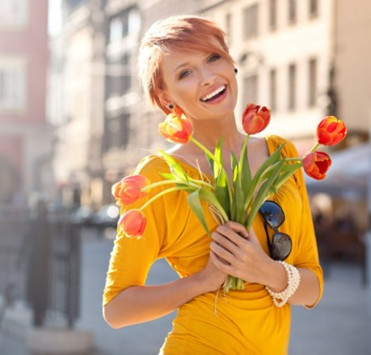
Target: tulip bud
{"type": "Point", "coordinates": [129, 189]}
{"type": "Point", "coordinates": [316, 164]}
{"type": "Point", "coordinates": [255, 118]}
{"type": "Point", "coordinates": [331, 131]}
{"type": "Point", "coordinates": [132, 224]}
{"type": "Point", "coordinates": [176, 128]}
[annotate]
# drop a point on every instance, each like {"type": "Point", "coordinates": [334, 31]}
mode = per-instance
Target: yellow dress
{"type": "Point", "coordinates": [241, 322]}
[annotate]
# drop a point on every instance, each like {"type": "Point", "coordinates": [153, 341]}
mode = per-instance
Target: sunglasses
{"type": "Point", "coordinates": [280, 247]}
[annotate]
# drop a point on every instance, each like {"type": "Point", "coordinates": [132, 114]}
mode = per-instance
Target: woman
{"type": "Point", "coordinates": [185, 67]}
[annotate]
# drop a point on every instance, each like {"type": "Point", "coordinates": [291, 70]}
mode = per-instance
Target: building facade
{"type": "Point", "coordinates": [303, 59]}
{"type": "Point", "coordinates": [300, 58]}
{"type": "Point", "coordinates": [25, 139]}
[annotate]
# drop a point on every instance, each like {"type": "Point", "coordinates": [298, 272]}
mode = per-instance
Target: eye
{"type": "Point", "coordinates": [183, 74]}
{"type": "Point", "coordinates": [214, 57]}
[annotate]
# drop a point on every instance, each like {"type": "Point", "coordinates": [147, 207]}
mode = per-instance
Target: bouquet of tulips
{"type": "Point", "coordinates": [238, 200]}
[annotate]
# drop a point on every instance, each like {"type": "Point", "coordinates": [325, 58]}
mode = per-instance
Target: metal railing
{"type": "Point", "coordinates": [40, 262]}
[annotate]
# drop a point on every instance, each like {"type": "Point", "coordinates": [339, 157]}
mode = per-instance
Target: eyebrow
{"type": "Point", "coordinates": [181, 65]}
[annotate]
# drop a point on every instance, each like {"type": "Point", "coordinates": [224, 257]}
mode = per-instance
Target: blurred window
{"type": "Point", "coordinates": [118, 75]}
{"type": "Point", "coordinates": [292, 11]}
{"type": "Point", "coordinates": [13, 13]}
{"type": "Point", "coordinates": [313, 8]}
{"type": "Point", "coordinates": [124, 24]}
{"type": "Point", "coordinates": [251, 21]}
{"type": "Point", "coordinates": [312, 90]}
{"type": "Point", "coordinates": [273, 89]}
{"type": "Point", "coordinates": [292, 87]}
{"type": "Point", "coordinates": [12, 84]}
{"type": "Point", "coordinates": [118, 131]}
{"type": "Point", "coordinates": [272, 15]}
{"type": "Point", "coordinates": [251, 88]}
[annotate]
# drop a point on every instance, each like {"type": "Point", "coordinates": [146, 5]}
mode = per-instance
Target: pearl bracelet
{"type": "Point", "coordinates": [293, 281]}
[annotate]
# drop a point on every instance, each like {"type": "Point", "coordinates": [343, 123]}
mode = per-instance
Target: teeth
{"type": "Point", "coordinates": [215, 92]}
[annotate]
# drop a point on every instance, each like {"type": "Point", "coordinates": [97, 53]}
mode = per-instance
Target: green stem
{"type": "Point", "coordinates": [193, 183]}
{"type": "Point", "coordinates": [154, 198]}
{"type": "Point", "coordinates": [314, 147]}
{"type": "Point", "coordinates": [203, 148]}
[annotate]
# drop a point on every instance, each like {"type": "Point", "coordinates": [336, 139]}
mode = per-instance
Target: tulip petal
{"type": "Point", "coordinates": [255, 118]}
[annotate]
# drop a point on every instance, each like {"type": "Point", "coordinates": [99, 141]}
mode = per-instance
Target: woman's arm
{"type": "Point", "coordinates": [138, 304]}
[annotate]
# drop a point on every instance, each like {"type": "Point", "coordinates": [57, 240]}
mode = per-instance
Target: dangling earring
{"type": "Point", "coordinates": [236, 70]}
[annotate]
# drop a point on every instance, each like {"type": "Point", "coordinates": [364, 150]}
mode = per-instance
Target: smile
{"type": "Point", "coordinates": [214, 95]}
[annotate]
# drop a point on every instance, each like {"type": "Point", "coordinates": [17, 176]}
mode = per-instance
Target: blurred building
{"type": "Point", "coordinates": [303, 59]}
{"type": "Point", "coordinates": [25, 139]}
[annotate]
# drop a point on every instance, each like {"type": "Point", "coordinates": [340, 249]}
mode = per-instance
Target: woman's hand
{"type": "Point", "coordinates": [238, 253]}
{"type": "Point", "coordinates": [210, 277]}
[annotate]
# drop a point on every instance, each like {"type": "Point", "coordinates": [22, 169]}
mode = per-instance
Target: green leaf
{"type": "Point", "coordinates": [263, 193]}
{"type": "Point", "coordinates": [195, 204]}
{"type": "Point", "coordinates": [209, 197]}
{"type": "Point", "coordinates": [265, 168]}
{"type": "Point", "coordinates": [175, 168]}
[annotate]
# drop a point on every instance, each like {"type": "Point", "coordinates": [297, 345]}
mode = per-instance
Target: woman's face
{"type": "Point", "coordinates": [202, 84]}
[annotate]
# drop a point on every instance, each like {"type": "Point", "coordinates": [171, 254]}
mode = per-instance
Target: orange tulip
{"type": "Point", "coordinates": [331, 131]}
{"type": "Point", "coordinates": [316, 164]}
{"type": "Point", "coordinates": [129, 189]}
{"type": "Point", "coordinates": [132, 224]}
{"type": "Point", "coordinates": [255, 118]}
{"type": "Point", "coordinates": [176, 128]}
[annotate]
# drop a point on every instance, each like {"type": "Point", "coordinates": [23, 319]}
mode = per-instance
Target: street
{"type": "Point", "coordinates": [338, 325]}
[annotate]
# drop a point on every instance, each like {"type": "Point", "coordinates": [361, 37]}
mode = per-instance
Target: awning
{"type": "Point", "coordinates": [349, 174]}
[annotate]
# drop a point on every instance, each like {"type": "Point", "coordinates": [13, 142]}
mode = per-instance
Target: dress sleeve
{"type": "Point", "coordinates": [131, 259]}
{"type": "Point", "coordinates": [306, 254]}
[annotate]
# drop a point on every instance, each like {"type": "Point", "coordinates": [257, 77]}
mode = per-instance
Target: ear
{"type": "Point", "coordinates": [165, 98]}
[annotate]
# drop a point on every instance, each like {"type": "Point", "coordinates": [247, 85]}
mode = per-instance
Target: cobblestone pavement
{"type": "Point", "coordinates": [340, 324]}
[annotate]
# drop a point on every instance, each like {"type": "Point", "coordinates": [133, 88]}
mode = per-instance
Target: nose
{"type": "Point", "coordinates": [207, 76]}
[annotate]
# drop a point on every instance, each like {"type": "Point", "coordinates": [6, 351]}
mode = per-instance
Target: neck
{"type": "Point", "coordinates": [209, 132]}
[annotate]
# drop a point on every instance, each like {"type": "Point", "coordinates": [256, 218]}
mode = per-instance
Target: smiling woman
{"type": "Point", "coordinates": [187, 72]}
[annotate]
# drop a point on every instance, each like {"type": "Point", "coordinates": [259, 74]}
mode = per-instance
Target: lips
{"type": "Point", "coordinates": [214, 94]}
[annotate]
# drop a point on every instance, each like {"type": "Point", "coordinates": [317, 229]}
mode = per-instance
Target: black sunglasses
{"type": "Point", "coordinates": [280, 247]}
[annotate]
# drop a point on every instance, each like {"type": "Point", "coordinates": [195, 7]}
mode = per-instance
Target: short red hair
{"type": "Point", "coordinates": [179, 32]}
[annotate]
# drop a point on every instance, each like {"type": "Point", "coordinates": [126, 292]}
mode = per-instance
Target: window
{"type": "Point", "coordinates": [272, 15]}
{"type": "Point", "coordinates": [292, 87]}
{"type": "Point", "coordinates": [292, 11]}
{"type": "Point", "coordinates": [125, 24]}
{"type": "Point", "coordinates": [118, 131]}
{"type": "Point", "coordinates": [118, 76]}
{"type": "Point", "coordinates": [12, 84]}
{"type": "Point", "coordinates": [273, 89]}
{"type": "Point", "coordinates": [251, 88]}
{"type": "Point", "coordinates": [313, 8]}
{"type": "Point", "coordinates": [312, 80]}
{"type": "Point", "coordinates": [251, 22]}
{"type": "Point", "coordinates": [13, 13]}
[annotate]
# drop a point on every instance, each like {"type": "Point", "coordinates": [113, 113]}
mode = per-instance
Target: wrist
{"type": "Point", "coordinates": [276, 278]}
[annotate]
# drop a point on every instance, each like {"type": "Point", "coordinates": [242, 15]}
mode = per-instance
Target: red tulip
{"type": "Point", "coordinates": [255, 118]}
{"type": "Point", "coordinates": [132, 224]}
{"type": "Point", "coordinates": [176, 128]}
{"type": "Point", "coordinates": [331, 131]}
{"type": "Point", "coordinates": [316, 164]}
{"type": "Point", "coordinates": [129, 189]}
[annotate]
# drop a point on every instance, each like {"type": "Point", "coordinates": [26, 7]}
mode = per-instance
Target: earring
{"type": "Point", "coordinates": [170, 106]}
{"type": "Point", "coordinates": [236, 70]}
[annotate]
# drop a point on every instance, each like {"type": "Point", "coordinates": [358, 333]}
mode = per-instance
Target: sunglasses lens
{"type": "Point", "coordinates": [272, 214]}
{"type": "Point", "coordinates": [281, 246]}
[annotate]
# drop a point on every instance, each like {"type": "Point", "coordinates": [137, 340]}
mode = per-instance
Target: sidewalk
{"type": "Point", "coordinates": [338, 325]}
